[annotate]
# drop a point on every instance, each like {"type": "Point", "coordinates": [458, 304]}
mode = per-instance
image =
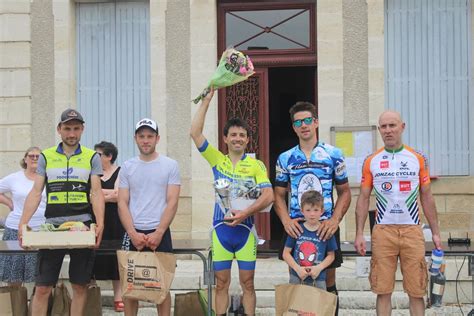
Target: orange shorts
{"type": "Point", "coordinates": [389, 242]}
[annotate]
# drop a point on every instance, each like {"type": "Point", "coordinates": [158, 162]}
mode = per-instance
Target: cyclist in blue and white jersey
{"type": "Point", "coordinates": [312, 165]}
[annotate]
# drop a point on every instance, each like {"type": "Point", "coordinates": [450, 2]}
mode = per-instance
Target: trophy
{"type": "Point", "coordinates": [222, 188]}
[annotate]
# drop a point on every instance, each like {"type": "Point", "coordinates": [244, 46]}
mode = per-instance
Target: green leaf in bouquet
{"type": "Point", "coordinates": [233, 67]}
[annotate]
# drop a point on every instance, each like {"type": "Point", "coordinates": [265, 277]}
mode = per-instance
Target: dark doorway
{"type": "Point", "coordinates": [286, 86]}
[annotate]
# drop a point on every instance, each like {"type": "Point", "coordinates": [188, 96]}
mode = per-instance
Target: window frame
{"type": "Point", "coordinates": [305, 54]}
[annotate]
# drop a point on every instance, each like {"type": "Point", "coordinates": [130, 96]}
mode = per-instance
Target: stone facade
{"type": "Point", "coordinates": [37, 81]}
{"type": "Point", "coordinates": [15, 84]}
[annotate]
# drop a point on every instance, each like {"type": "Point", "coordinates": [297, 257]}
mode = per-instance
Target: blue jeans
{"type": "Point", "coordinates": [320, 284]}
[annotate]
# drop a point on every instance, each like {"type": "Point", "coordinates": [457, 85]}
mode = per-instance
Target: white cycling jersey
{"type": "Point", "coordinates": [396, 177]}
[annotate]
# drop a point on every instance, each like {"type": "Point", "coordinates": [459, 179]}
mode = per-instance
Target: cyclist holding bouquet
{"type": "Point", "coordinates": [233, 236]}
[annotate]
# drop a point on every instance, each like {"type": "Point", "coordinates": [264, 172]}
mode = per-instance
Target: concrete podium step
{"type": "Point", "coordinates": [355, 295]}
{"type": "Point", "coordinates": [441, 311]}
{"type": "Point", "coordinates": [271, 272]}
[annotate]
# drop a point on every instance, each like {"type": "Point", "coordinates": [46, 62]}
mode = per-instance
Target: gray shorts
{"type": "Point", "coordinates": [294, 279]}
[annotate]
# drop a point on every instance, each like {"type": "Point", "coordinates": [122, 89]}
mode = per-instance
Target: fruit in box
{"type": "Point", "coordinates": [59, 239]}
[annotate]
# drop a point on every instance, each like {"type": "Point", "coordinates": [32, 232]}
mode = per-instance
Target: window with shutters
{"type": "Point", "coordinates": [113, 71]}
{"type": "Point", "coordinates": [427, 78]}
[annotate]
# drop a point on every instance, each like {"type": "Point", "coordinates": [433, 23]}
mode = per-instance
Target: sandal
{"type": "Point", "coordinates": [118, 306]}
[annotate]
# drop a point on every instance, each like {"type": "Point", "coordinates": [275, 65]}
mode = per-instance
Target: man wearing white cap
{"type": "Point", "coordinates": [147, 200]}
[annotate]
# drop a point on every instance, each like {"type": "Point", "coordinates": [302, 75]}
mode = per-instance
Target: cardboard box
{"type": "Point", "coordinates": [59, 239]}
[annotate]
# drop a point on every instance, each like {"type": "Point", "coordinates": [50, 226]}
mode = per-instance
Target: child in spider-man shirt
{"type": "Point", "coordinates": [308, 256]}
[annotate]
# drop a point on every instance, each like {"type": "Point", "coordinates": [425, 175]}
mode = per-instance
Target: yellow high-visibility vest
{"type": "Point", "coordinates": [68, 181]}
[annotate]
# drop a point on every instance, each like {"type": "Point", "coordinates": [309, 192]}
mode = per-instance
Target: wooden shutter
{"type": "Point", "coordinates": [427, 70]}
{"type": "Point", "coordinates": [113, 71]}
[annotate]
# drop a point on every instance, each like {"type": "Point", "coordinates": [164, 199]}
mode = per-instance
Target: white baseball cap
{"type": "Point", "coordinates": [147, 122]}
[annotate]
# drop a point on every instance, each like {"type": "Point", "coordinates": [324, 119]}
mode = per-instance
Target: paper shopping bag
{"type": "Point", "coordinates": [296, 299]}
{"type": "Point", "coordinates": [6, 303]}
{"type": "Point", "coordinates": [94, 300]}
{"type": "Point", "coordinates": [146, 276]}
{"type": "Point", "coordinates": [61, 301]}
{"type": "Point", "coordinates": [186, 304]}
{"type": "Point", "coordinates": [205, 302]}
{"type": "Point", "coordinates": [13, 300]}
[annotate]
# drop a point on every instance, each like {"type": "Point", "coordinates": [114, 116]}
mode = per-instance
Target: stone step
{"type": "Point", "coordinates": [350, 300]}
{"type": "Point", "coordinates": [354, 291]}
{"type": "Point", "coordinates": [360, 300]}
{"type": "Point", "coordinates": [271, 272]}
{"type": "Point", "coordinates": [351, 303]}
{"type": "Point", "coordinates": [439, 311]}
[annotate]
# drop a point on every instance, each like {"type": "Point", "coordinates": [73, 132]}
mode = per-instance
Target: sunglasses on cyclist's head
{"type": "Point", "coordinates": [306, 121]}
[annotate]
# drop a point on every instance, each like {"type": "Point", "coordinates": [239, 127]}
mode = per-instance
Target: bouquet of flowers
{"type": "Point", "coordinates": [233, 68]}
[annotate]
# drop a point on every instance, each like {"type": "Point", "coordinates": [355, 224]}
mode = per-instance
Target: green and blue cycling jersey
{"type": "Point", "coordinates": [247, 178]}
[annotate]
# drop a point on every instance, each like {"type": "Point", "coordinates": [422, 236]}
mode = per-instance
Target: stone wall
{"type": "Point", "coordinates": [178, 52]}
{"type": "Point", "coordinates": [42, 74]}
{"type": "Point", "coordinates": [330, 41]}
{"type": "Point", "coordinates": [203, 39]}
{"type": "Point", "coordinates": [15, 85]}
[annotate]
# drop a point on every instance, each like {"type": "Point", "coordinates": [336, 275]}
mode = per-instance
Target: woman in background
{"type": "Point", "coordinates": [106, 267]}
{"type": "Point", "coordinates": [20, 268]}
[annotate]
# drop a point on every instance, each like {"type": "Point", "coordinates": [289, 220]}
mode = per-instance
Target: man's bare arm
{"type": "Point", "coordinates": [329, 227]}
{"type": "Point", "coordinates": [123, 210]}
{"type": "Point", "coordinates": [264, 200]}
{"type": "Point", "coordinates": [33, 199]}
{"type": "Point", "coordinates": [292, 226]}
{"type": "Point", "coordinates": [32, 202]}
{"type": "Point", "coordinates": [138, 239]}
{"type": "Point", "coordinates": [280, 206]}
{"type": "Point", "coordinates": [361, 212]}
{"type": "Point", "coordinates": [362, 209]}
{"type": "Point", "coordinates": [172, 197]}
{"type": "Point", "coordinates": [197, 124]}
{"type": "Point", "coordinates": [343, 201]}
{"type": "Point", "coordinates": [98, 206]}
{"type": "Point", "coordinates": [429, 209]}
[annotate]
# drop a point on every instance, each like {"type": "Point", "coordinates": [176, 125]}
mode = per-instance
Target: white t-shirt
{"type": "Point", "coordinates": [19, 186]}
{"type": "Point", "coordinates": [147, 182]}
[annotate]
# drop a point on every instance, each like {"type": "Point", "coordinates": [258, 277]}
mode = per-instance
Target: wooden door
{"type": "Point", "coordinates": [248, 100]}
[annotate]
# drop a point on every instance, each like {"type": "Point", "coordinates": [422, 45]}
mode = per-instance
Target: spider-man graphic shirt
{"type": "Point", "coordinates": [309, 250]}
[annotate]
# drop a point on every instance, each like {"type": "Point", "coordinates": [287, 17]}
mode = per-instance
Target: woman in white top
{"type": "Point", "coordinates": [20, 268]}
